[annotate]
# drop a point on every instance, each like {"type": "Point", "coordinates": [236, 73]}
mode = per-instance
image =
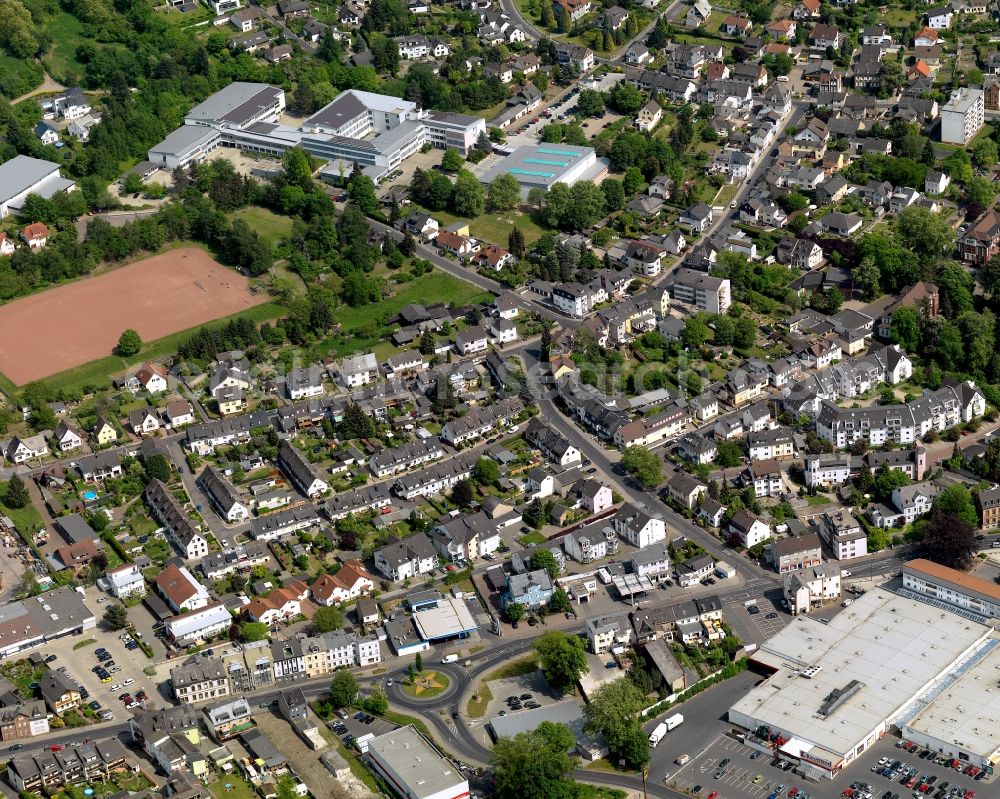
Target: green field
{"type": "Point", "coordinates": [67, 34]}
{"type": "Point", "coordinates": [493, 227]}
{"type": "Point", "coordinates": [269, 224]}
{"type": "Point", "coordinates": [429, 288]}
{"type": "Point", "coordinates": [18, 77]}
{"type": "Point", "coordinates": [239, 789]}
{"type": "Point", "coordinates": [102, 370]}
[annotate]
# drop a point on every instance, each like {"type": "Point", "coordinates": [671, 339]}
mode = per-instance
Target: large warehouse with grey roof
{"type": "Point", "coordinates": [836, 688]}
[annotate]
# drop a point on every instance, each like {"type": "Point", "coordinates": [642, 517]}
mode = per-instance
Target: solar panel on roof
{"type": "Point", "coordinates": [532, 172]}
{"type": "Point", "coordinates": [551, 151]}
{"type": "Point", "coordinates": [545, 161]}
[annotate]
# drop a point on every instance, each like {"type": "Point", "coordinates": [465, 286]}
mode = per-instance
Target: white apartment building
{"type": "Point", "coordinates": [811, 587]}
{"type": "Point", "coordinates": [706, 293]}
{"type": "Point", "coordinates": [962, 116]}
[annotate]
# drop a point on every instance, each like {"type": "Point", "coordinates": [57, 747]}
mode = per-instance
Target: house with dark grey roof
{"type": "Point", "coordinates": [300, 472]}
{"type": "Point", "coordinates": [223, 495]}
{"type": "Point", "coordinates": [532, 589]}
{"type": "Point", "coordinates": [180, 526]}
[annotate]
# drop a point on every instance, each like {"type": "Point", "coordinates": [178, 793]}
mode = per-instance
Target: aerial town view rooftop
{"type": "Point", "coordinates": [499, 399]}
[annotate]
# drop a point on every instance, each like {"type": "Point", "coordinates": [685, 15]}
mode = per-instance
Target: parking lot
{"type": "Point", "coordinates": [129, 664]}
{"type": "Point", "coordinates": [927, 767]}
{"type": "Point", "coordinates": [767, 618]}
{"type": "Point", "coordinates": [729, 768]}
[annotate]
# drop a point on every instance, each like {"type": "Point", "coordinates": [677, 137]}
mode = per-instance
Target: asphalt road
{"type": "Point", "coordinates": [593, 449]}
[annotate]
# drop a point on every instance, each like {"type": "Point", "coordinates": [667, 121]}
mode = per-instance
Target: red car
{"type": "Point", "coordinates": [55, 748]}
{"type": "Point", "coordinates": [712, 795]}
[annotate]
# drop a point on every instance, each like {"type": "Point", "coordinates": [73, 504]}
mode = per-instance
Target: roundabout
{"type": "Point", "coordinates": [433, 687]}
{"type": "Point", "coordinates": [426, 684]}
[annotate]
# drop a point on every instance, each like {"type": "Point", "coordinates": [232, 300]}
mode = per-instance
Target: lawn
{"type": "Point", "coordinates": [715, 21]}
{"type": "Point", "coordinates": [515, 668]}
{"type": "Point", "coordinates": [429, 288]}
{"type": "Point", "coordinates": [496, 229]}
{"type": "Point", "coordinates": [493, 227]}
{"type": "Point", "coordinates": [818, 500]}
{"type": "Point", "coordinates": [27, 520]}
{"type": "Point", "coordinates": [66, 32]}
{"type": "Point", "coordinates": [726, 194]}
{"type": "Point", "coordinates": [898, 18]}
{"type": "Point", "coordinates": [240, 789]}
{"type": "Point", "coordinates": [100, 372]}
{"type": "Point", "coordinates": [476, 708]}
{"type": "Point", "coordinates": [269, 224]}
{"type": "Point", "coordinates": [531, 539]}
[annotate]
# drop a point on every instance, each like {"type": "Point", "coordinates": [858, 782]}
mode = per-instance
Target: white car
{"type": "Point", "coordinates": [115, 687]}
{"type": "Point", "coordinates": [127, 682]}
{"type": "Point", "coordinates": [389, 682]}
{"type": "Point", "coordinates": [101, 600]}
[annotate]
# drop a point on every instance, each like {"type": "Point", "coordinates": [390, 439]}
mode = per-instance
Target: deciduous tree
{"type": "Point", "coordinates": [644, 465]}
{"type": "Point", "coordinates": [343, 689]}
{"type": "Point", "coordinates": [129, 343]}
{"type": "Point", "coordinates": [612, 711]}
{"type": "Point", "coordinates": [327, 619]}
{"type": "Point", "coordinates": [562, 657]}
{"type": "Point", "coordinates": [535, 764]}
{"type": "Point", "coordinates": [949, 540]}
{"type": "Point", "coordinates": [504, 193]}
{"type": "Point", "coordinates": [544, 559]}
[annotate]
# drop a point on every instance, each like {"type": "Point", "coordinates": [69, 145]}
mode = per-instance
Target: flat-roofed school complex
{"type": "Point", "coordinates": [544, 165]}
{"type": "Point", "coordinates": [414, 768]}
{"type": "Point", "coordinates": [376, 131]}
{"type": "Point", "coordinates": [885, 660]}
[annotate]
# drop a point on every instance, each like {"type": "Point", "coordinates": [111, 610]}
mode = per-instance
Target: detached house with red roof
{"type": "Point", "coordinates": [781, 29]}
{"type": "Point", "coordinates": [457, 245]}
{"type": "Point", "coordinates": [181, 590]}
{"type": "Point", "coordinates": [925, 37]}
{"type": "Point", "coordinates": [76, 556]}
{"type": "Point", "coordinates": [35, 235]}
{"type": "Point", "coordinates": [282, 604]}
{"type": "Point", "coordinates": [152, 377]}
{"type": "Point", "coordinates": [575, 9]}
{"type": "Point", "coordinates": [807, 10]}
{"type": "Point", "coordinates": [493, 257]}
{"type": "Point", "coordinates": [351, 582]}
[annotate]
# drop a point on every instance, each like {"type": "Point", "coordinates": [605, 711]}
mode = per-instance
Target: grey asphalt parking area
{"type": "Point", "coordinates": [738, 776]}
{"type": "Point", "coordinates": [767, 626]}
{"type": "Point", "coordinates": [737, 780]}
{"type": "Point", "coordinates": [534, 684]}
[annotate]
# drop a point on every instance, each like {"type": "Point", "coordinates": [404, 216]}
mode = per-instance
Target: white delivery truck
{"type": "Point", "coordinates": [657, 735]}
{"type": "Point", "coordinates": [674, 721]}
